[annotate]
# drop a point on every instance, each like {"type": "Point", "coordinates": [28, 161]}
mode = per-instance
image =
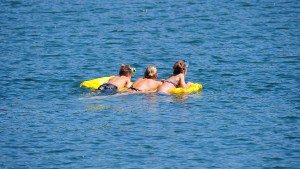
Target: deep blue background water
{"type": "Point", "coordinates": [246, 55]}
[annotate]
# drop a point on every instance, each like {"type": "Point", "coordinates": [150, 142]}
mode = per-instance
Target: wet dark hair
{"type": "Point", "coordinates": [125, 69]}
{"type": "Point", "coordinates": [179, 67]}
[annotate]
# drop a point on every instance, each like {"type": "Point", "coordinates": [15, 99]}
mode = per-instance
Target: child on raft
{"type": "Point", "coordinates": [117, 82]}
{"type": "Point", "coordinates": [177, 79]}
{"type": "Point", "coordinates": [148, 83]}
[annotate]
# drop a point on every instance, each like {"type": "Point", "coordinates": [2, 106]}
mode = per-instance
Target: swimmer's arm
{"type": "Point", "coordinates": [128, 83]}
{"type": "Point", "coordinates": [182, 82]}
{"type": "Point", "coordinates": [188, 84]}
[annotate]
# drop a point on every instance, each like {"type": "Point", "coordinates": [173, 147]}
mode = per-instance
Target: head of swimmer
{"type": "Point", "coordinates": [125, 70]}
{"type": "Point", "coordinates": [151, 72]}
{"type": "Point", "coordinates": [180, 67]}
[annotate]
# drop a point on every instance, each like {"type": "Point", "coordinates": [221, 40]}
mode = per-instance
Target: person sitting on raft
{"type": "Point", "coordinates": [117, 82]}
{"type": "Point", "coordinates": [148, 83]}
{"type": "Point", "coordinates": [177, 79]}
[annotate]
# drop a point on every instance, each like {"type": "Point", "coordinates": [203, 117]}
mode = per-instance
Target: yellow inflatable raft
{"type": "Point", "coordinates": [195, 87]}
{"type": "Point", "coordinates": [95, 83]}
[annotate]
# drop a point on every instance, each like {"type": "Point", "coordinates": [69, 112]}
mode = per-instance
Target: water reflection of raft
{"type": "Point", "coordinates": [95, 83]}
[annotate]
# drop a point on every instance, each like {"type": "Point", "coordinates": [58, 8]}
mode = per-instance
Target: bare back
{"type": "Point", "coordinates": [145, 84]}
{"type": "Point", "coordinates": [173, 82]}
{"type": "Point", "coordinates": [120, 81]}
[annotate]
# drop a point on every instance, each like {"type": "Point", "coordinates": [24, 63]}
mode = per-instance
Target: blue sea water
{"type": "Point", "coordinates": [246, 54]}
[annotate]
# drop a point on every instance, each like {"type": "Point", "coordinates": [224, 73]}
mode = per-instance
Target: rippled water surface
{"type": "Point", "coordinates": [246, 55]}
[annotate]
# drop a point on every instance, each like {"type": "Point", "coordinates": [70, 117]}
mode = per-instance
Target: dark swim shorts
{"type": "Point", "coordinates": [107, 87]}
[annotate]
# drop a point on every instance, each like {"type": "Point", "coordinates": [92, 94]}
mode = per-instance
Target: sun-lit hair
{"type": "Point", "coordinates": [150, 72]}
{"type": "Point", "coordinates": [179, 67]}
{"type": "Point", "coordinates": [125, 69]}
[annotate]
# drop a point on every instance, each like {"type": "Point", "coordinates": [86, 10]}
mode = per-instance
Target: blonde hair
{"type": "Point", "coordinates": [125, 69]}
{"type": "Point", "coordinates": [179, 67]}
{"type": "Point", "coordinates": [150, 72]}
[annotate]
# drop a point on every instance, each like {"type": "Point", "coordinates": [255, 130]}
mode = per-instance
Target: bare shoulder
{"type": "Point", "coordinates": [124, 78]}
{"type": "Point", "coordinates": [113, 79]}
{"type": "Point", "coordinates": [177, 78]}
{"type": "Point", "coordinates": [181, 75]}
